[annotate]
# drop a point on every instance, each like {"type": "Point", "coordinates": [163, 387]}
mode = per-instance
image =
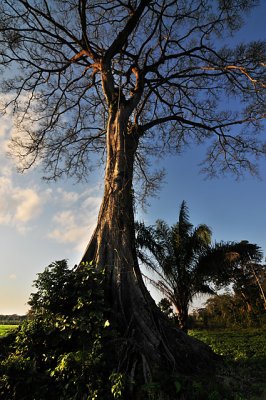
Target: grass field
{"type": "Point", "coordinates": [244, 352]}
{"type": "Point", "coordinates": [4, 329]}
{"type": "Point", "coordinates": [243, 373]}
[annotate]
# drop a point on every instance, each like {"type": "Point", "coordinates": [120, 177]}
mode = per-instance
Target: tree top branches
{"type": "Point", "coordinates": [68, 64]}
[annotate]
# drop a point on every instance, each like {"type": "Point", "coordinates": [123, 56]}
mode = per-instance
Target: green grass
{"type": "Point", "coordinates": [5, 329]}
{"type": "Point", "coordinates": [243, 373]}
{"type": "Point", "coordinates": [244, 352]}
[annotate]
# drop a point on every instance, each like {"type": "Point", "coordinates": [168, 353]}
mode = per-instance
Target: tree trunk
{"type": "Point", "coordinates": [247, 302]}
{"type": "Point", "coordinates": [182, 314]}
{"type": "Point", "coordinates": [263, 297]}
{"type": "Point", "coordinates": [150, 342]}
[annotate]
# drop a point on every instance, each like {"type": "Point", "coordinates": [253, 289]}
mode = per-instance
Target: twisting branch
{"type": "Point", "coordinates": [161, 59]}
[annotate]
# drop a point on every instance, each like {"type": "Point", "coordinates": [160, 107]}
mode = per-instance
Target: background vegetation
{"type": "Point", "coordinates": [64, 350]}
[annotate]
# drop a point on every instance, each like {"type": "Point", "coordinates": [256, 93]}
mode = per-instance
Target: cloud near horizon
{"type": "Point", "coordinates": [72, 224]}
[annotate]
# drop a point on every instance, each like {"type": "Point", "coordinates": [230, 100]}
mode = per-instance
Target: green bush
{"type": "Point", "coordinates": [58, 353]}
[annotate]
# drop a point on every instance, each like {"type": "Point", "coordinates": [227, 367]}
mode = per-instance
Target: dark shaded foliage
{"type": "Point", "coordinates": [58, 353]}
{"type": "Point", "coordinates": [175, 254]}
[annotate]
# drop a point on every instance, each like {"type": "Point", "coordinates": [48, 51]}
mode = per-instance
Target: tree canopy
{"type": "Point", "coordinates": [233, 261]}
{"type": "Point", "coordinates": [68, 61]}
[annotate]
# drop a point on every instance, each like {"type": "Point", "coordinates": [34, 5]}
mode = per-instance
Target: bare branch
{"type": "Point", "coordinates": [160, 61]}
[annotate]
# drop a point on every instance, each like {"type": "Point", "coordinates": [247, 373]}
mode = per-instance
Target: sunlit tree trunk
{"type": "Point", "coordinates": [112, 245]}
{"type": "Point", "coordinates": [262, 294]}
{"type": "Point", "coordinates": [182, 314]}
{"type": "Point", "coordinates": [150, 341]}
{"type": "Point", "coordinates": [247, 302]}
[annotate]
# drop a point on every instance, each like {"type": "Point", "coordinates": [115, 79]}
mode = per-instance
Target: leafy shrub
{"type": "Point", "coordinates": [58, 353]}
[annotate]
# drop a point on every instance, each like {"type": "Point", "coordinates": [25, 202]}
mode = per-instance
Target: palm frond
{"type": "Point", "coordinates": [202, 234]}
{"type": "Point", "coordinates": [183, 226]}
{"type": "Point", "coordinates": [204, 288]}
{"type": "Point", "coordinates": [161, 286]}
{"type": "Point", "coordinates": [147, 238]}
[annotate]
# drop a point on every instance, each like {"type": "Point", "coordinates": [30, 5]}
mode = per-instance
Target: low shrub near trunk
{"type": "Point", "coordinates": [58, 353]}
{"type": "Point", "coordinates": [68, 348]}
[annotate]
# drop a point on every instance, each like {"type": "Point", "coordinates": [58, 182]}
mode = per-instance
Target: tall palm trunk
{"type": "Point", "coordinates": [182, 315]}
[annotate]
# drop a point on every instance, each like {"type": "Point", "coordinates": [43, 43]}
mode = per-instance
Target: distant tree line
{"type": "Point", "coordinates": [13, 319]}
{"type": "Point", "coordinates": [242, 307]}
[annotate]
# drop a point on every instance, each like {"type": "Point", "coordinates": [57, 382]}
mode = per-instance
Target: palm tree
{"type": "Point", "coordinates": [175, 254]}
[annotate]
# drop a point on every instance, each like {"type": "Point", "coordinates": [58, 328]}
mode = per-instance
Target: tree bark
{"type": "Point", "coordinates": [182, 314]}
{"type": "Point", "coordinates": [263, 297]}
{"type": "Point", "coordinates": [149, 340]}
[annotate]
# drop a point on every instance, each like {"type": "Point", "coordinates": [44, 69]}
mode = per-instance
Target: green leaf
{"type": "Point", "coordinates": [106, 324]}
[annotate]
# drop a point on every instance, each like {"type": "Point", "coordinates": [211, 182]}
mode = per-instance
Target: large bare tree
{"type": "Point", "coordinates": [125, 80]}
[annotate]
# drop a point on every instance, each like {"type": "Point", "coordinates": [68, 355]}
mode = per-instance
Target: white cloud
{"type": "Point", "coordinates": [12, 277]}
{"type": "Point", "coordinates": [6, 170]}
{"type": "Point", "coordinates": [72, 214]}
{"type": "Point", "coordinates": [75, 226]}
{"type": "Point", "coordinates": [5, 212]}
{"type": "Point", "coordinates": [16, 123]}
{"type": "Point", "coordinates": [18, 206]}
{"type": "Point", "coordinates": [21, 203]}
{"type": "Point", "coordinates": [68, 197]}
{"type": "Point", "coordinates": [5, 126]}
{"type": "Point", "coordinates": [28, 204]}
{"type": "Point", "coordinates": [68, 229]}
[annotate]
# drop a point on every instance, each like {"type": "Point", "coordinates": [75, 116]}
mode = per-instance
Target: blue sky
{"type": "Point", "coordinates": [40, 222]}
